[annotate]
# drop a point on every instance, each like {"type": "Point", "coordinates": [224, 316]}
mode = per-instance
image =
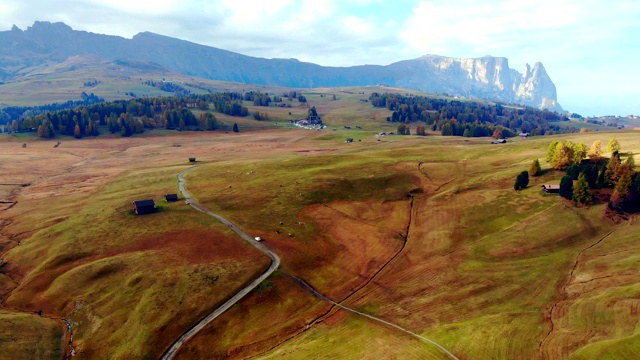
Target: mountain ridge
{"type": "Point", "coordinates": [484, 77]}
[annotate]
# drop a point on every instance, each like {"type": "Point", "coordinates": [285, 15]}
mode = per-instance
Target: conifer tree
{"type": "Point", "coordinates": [610, 177]}
{"type": "Point", "coordinates": [535, 169]}
{"type": "Point", "coordinates": [522, 181]}
{"type": "Point", "coordinates": [573, 171]}
{"type": "Point", "coordinates": [566, 187]}
{"type": "Point", "coordinates": [581, 192]}
{"type": "Point", "coordinates": [631, 161]}
{"type": "Point", "coordinates": [76, 131]}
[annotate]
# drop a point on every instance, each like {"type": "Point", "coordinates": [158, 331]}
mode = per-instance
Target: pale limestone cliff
{"type": "Point", "coordinates": [486, 77]}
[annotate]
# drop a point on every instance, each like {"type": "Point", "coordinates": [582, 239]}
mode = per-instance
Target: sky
{"type": "Point", "coordinates": [590, 48]}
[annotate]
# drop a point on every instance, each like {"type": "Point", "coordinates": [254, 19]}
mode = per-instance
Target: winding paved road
{"type": "Point", "coordinates": [275, 263]}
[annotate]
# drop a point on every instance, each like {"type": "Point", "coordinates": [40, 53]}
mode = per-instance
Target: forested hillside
{"type": "Point", "coordinates": [469, 118]}
{"type": "Point", "coordinates": [131, 116]}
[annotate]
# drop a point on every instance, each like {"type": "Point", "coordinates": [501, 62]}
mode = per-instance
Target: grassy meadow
{"type": "Point", "coordinates": [423, 232]}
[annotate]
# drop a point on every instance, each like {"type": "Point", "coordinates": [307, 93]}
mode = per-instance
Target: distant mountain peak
{"type": "Point", "coordinates": [486, 77]}
{"type": "Point", "coordinates": [49, 26]}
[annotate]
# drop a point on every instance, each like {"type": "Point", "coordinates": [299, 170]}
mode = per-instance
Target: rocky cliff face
{"type": "Point", "coordinates": [486, 77]}
{"type": "Point", "coordinates": [535, 87]}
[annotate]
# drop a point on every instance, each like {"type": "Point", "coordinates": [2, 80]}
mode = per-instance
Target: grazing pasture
{"type": "Point", "coordinates": [423, 232]}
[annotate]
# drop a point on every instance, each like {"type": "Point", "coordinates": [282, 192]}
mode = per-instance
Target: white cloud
{"type": "Point", "coordinates": [460, 26]}
{"type": "Point", "coordinates": [595, 36]}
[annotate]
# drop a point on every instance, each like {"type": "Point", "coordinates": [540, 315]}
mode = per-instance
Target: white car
{"type": "Point", "coordinates": [258, 239]}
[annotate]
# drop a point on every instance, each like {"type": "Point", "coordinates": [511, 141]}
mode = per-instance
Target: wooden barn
{"type": "Point", "coordinates": [171, 197]}
{"type": "Point", "coordinates": [551, 188]}
{"type": "Point", "coordinates": [144, 207]}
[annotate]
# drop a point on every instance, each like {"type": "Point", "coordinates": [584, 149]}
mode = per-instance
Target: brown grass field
{"type": "Point", "coordinates": [466, 261]}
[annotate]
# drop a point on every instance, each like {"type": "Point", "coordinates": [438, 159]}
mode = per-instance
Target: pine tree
{"type": "Point", "coordinates": [447, 129]}
{"type": "Point", "coordinates": [76, 131]}
{"type": "Point", "coordinates": [573, 171]}
{"type": "Point", "coordinates": [622, 195]}
{"type": "Point", "coordinates": [591, 174]}
{"type": "Point", "coordinates": [522, 181]}
{"type": "Point", "coordinates": [631, 161]}
{"type": "Point", "coordinates": [535, 169]}
{"type": "Point", "coordinates": [581, 192]}
{"type": "Point", "coordinates": [610, 178]}
{"type": "Point", "coordinates": [235, 127]}
{"type": "Point", "coordinates": [566, 187]}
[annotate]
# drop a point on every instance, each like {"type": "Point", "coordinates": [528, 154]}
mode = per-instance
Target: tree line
{"type": "Point", "coordinates": [132, 116]}
{"type": "Point", "coordinates": [168, 86]}
{"type": "Point", "coordinates": [468, 118]}
{"type": "Point", "coordinates": [11, 113]}
{"type": "Point", "coordinates": [587, 170]}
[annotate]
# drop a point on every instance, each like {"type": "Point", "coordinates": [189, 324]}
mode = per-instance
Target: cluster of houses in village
{"type": "Point", "coordinates": [310, 124]}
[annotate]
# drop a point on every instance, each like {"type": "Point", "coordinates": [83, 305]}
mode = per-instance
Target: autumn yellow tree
{"type": "Point", "coordinates": [579, 153]}
{"type": "Point", "coordinates": [551, 151]}
{"type": "Point", "coordinates": [595, 152]}
{"type": "Point", "coordinates": [562, 156]}
{"type": "Point", "coordinates": [613, 145]}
